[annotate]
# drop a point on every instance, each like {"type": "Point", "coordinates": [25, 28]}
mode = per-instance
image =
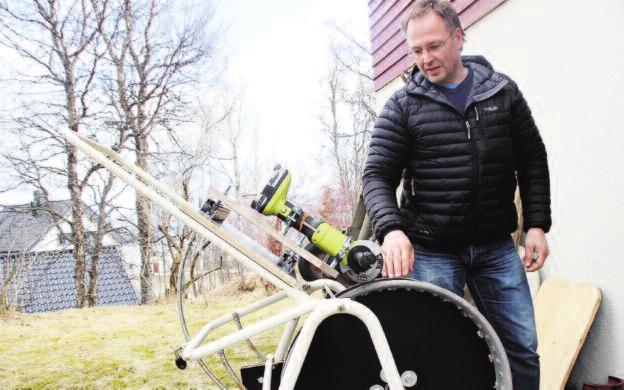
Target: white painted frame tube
{"type": "Point", "coordinates": [193, 352]}
{"type": "Point", "coordinates": [314, 285]}
{"type": "Point", "coordinates": [288, 330]}
{"type": "Point", "coordinates": [325, 309]}
{"type": "Point", "coordinates": [268, 373]}
{"type": "Point", "coordinates": [217, 323]}
{"type": "Point", "coordinates": [284, 342]}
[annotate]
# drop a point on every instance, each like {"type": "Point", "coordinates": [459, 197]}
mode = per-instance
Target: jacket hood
{"type": "Point", "coordinates": [485, 78]}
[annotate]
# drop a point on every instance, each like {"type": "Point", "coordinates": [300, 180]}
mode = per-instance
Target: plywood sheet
{"type": "Point", "coordinates": [564, 312]}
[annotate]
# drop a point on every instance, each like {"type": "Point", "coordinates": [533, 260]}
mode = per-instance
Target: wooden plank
{"type": "Point", "coordinates": [385, 7]}
{"type": "Point", "coordinates": [390, 32]}
{"type": "Point", "coordinates": [395, 43]}
{"type": "Point", "coordinates": [477, 10]}
{"type": "Point", "coordinates": [392, 58]}
{"type": "Point", "coordinates": [254, 219]}
{"type": "Point", "coordinates": [392, 72]}
{"type": "Point", "coordinates": [373, 5]}
{"type": "Point", "coordinates": [390, 18]}
{"type": "Point", "coordinates": [564, 312]}
{"type": "Point", "coordinates": [461, 5]}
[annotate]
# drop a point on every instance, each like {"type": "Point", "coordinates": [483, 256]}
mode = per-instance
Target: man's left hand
{"type": "Point", "coordinates": [535, 241]}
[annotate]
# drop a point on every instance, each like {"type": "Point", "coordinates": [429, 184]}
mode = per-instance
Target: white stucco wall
{"type": "Point", "coordinates": [132, 262]}
{"type": "Point", "coordinates": [568, 59]}
{"type": "Point", "coordinates": [51, 241]}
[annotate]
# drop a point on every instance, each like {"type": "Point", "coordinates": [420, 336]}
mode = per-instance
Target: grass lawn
{"type": "Point", "coordinates": [118, 347]}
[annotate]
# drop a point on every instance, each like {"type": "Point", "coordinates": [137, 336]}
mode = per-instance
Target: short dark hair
{"type": "Point", "coordinates": [441, 7]}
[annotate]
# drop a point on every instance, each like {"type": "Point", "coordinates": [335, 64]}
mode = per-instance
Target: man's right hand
{"type": "Point", "coordinates": [398, 255]}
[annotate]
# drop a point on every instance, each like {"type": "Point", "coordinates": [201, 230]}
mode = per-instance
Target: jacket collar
{"type": "Point", "coordinates": [486, 81]}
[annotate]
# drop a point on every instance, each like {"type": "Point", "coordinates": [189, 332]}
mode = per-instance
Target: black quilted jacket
{"type": "Point", "coordinates": [460, 169]}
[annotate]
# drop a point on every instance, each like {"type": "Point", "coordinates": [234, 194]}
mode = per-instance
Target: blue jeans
{"type": "Point", "coordinates": [497, 281]}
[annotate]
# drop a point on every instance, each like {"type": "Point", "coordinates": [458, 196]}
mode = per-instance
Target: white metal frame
{"type": "Point", "coordinates": [317, 309]}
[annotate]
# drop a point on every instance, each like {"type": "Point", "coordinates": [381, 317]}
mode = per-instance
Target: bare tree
{"type": "Point", "coordinates": [103, 196]}
{"type": "Point", "coordinates": [348, 113]}
{"type": "Point", "coordinates": [153, 65]}
{"type": "Point", "coordinates": [60, 41]}
{"type": "Point", "coordinates": [13, 262]}
{"type": "Point", "coordinates": [186, 171]}
{"type": "Point", "coordinates": [184, 246]}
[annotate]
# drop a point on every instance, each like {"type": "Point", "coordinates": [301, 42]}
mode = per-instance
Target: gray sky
{"type": "Point", "coordinates": [278, 52]}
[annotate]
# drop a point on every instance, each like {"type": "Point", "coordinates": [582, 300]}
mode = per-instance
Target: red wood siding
{"type": "Point", "coordinates": [387, 42]}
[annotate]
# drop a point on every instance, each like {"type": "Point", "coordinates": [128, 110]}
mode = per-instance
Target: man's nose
{"type": "Point", "coordinates": [426, 57]}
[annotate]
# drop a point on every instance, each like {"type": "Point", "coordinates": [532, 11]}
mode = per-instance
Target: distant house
{"type": "Point", "coordinates": [37, 261]}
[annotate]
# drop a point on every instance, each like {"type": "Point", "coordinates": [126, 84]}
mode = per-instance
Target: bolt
{"type": "Point", "coordinates": [409, 378]}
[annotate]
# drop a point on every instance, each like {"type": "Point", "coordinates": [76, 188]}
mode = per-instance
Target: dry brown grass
{"type": "Point", "coordinates": [116, 347]}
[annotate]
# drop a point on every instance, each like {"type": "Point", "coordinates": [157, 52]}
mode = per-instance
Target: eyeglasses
{"type": "Point", "coordinates": [417, 52]}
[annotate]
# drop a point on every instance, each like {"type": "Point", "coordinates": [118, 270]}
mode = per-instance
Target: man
{"type": "Point", "coordinates": [463, 137]}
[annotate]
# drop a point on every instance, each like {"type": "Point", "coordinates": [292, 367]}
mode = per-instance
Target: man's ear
{"type": "Point", "coordinates": [459, 38]}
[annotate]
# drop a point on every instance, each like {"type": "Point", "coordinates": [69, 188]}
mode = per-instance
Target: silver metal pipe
{"type": "Point", "coordinates": [268, 373]}
{"type": "Point", "coordinates": [251, 243]}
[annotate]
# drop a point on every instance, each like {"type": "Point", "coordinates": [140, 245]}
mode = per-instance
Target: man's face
{"type": "Point", "coordinates": [436, 50]}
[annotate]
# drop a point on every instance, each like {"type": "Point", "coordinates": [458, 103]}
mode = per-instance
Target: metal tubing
{"type": "Point", "coordinates": [218, 322]}
{"type": "Point", "coordinates": [268, 371]}
{"type": "Point", "coordinates": [250, 343]}
{"type": "Point", "coordinates": [260, 327]}
{"type": "Point", "coordinates": [333, 285]}
{"type": "Point", "coordinates": [245, 239]}
{"type": "Point", "coordinates": [230, 371]}
{"type": "Point", "coordinates": [325, 309]}
{"type": "Point", "coordinates": [176, 212]}
{"type": "Point", "coordinates": [278, 296]}
{"type": "Point", "coordinates": [282, 346]}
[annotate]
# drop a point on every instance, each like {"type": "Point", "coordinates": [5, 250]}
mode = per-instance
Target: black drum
{"type": "Point", "coordinates": [433, 333]}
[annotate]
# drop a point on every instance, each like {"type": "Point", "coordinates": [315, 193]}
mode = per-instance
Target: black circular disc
{"type": "Point", "coordinates": [431, 331]}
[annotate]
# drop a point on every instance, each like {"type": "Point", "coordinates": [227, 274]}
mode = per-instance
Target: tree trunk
{"type": "Point", "coordinates": [94, 271]}
{"type": "Point", "coordinates": [144, 226]}
{"type": "Point", "coordinates": [77, 228]}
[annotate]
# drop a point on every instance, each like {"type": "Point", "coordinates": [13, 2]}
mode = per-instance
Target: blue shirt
{"type": "Point", "coordinates": [457, 93]}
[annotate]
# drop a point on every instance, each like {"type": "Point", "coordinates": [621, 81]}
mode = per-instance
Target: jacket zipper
{"type": "Point", "coordinates": [413, 190]}
{"type": "Point", "coordinates": [475, 174]}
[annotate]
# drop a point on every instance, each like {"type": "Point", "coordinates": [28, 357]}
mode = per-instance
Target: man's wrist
{"type": "Point", "coordinates": [538, 230]}
{"type": "Point", "coordinates": [393, 231]}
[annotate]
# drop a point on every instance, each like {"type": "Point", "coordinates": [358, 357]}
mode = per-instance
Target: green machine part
{"type": "Point", "coordinates": [277, 204]}
{"type": "Point", "coordinates": [361, 260]}
{"type": "Point", "coordinates": [329, 239]}
{"type": "Point", "coordinates": [272, 202]}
